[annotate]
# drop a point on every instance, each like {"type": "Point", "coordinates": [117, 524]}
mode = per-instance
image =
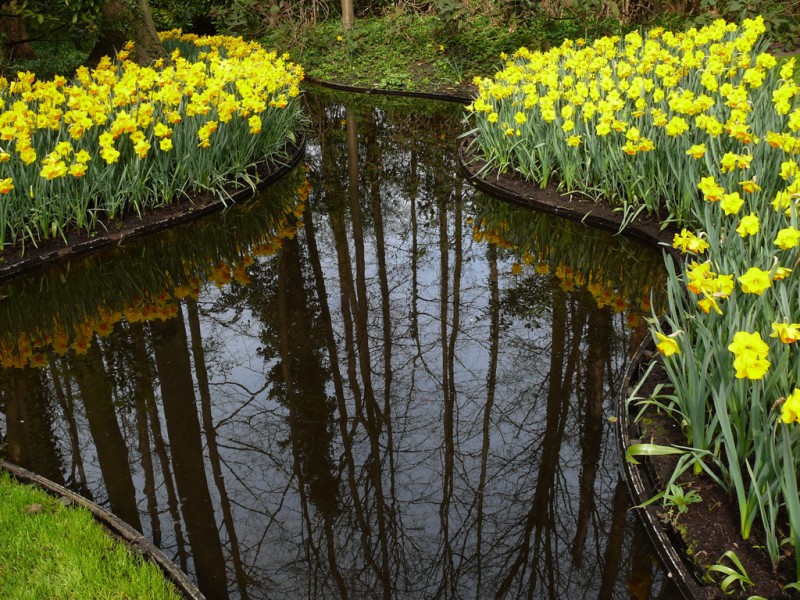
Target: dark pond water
{"type": "Point", "coordinates": [369, 382]}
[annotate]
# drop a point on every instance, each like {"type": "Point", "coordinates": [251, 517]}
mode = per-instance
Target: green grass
{"type": "Point", "coordinates": [51, 551]}
{"type": "Point", "coordinates": [407, 51]}
{"type": "Point", "coordinates": [423, 52]}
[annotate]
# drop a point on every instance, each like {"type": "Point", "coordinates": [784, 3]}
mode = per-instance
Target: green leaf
{"type": "Point", "coordinates": [649, 450]}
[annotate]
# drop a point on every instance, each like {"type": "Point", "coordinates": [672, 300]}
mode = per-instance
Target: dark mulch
{"type": "Point", "coordinates": [19, 260]}
{"type": "Point", "coordinates": [570, 205]}
{"type": "Point", "coordinates": [711, 527]}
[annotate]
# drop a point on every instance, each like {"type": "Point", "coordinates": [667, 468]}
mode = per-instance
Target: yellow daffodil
{"type": "Point", "coordinates": [161, 130]}
{"type": "Point", "coordinates": [728, 162]}
{"type": "Point", "coordinates": [731, 203]}
{"type": "Point", "coordinates": [788, 170]}
{"type": "Point", "coordinates": [755, 281]}
{"type": "Point", "coordinates": [667, 344]}
{"type": "Point", "coordinates": [750, 186]}
{"type": "Point", "coordinates": [77, 169]}
{"type": "Point", "coordinates": [697, 151]}
{"type": "Point", "coordinates": [686, 241]}
{"type": "Point", "coordinates": [790, 409]}
{"type": "Point", "coordinates": [676, 126]}
{"type": "Point", "coordinates": [712, 191]}
{"type": "Point", "coordinates": [750, 353]}
{"type": "Point", "coordinates": [780, 273]}
{"type": "Point", "coordinates": [53, 169]}
{"type": "Point", "coordinates": [788, 333]}
{"type": "Point", "coordinates": [748, 225]}
{"type": "Point", "coordinates": [109, 154]}
{"type": "Point", "coordinates": [787, 238]}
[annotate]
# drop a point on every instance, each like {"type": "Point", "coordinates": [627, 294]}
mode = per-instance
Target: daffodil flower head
{"type": "Point", "coordinates": [755, 281]}
{"type": "Point", "coordinates": [667, 344]}
{"type": "Point", "coordinates": [787, 238]}
{"type": "Point", "coordinates": [787, 333]}
{"type": "Point", "coordinates": [790, 409]}
{"type": "Point", "coordinates": [750, 353]}
{"type": "Point", "coordinates": [712, 191]}
{"type": "Point", "coordinates": [789, 169]}
{"type": "Point", "coordinates": [749, 225]}
{"type": "Point", "coordinates": [686, 241]}
{"type": "Point", "coordinates": [697, 151]}
{"type": "Point", "coordinates": [750, 186]}
{"type": "Point", "coordinates": [731, 203]}
{"type": "Point", "coordinates": [728, 162]}
{"type": "Point", "coordinates": [707, 303]}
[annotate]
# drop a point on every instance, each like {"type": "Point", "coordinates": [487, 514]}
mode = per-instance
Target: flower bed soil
{"type": "Point", "coordinates": [709, 528]}
{"type": "Point", "coordinates": [19, 260]}
{"type": "Point", "coordinates": [693, 541]}
{"type": "Point", "coordinates": [570, 205]}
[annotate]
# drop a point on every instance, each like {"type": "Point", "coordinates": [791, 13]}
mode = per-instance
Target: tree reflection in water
{"type": "Point", "coordinates": [381, 384]}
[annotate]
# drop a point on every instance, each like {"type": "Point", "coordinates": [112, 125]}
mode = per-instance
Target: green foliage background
{"type": "Point", "coordinates": [472, 33]}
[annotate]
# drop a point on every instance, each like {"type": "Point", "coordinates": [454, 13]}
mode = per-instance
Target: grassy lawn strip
{"type": "Point", "coordinates": [425, 53]}
{"type": "Point", "coordinates": [53, 551]}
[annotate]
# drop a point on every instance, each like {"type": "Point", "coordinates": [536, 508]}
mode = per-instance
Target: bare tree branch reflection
{"type": "Point", "coordinates": [402, 384]}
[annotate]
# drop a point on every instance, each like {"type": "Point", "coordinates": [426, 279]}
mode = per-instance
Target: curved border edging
{"type": "Point", "coordinates": [455, 97]}
{"type": "Point", "coordinates": [116, 525]}
{"type": "Point", "coordinates": [206, 204]}
{"type": "Point", "coordinates": [642, 486]}
{"type": "Point", "coordinates": [576, 206]}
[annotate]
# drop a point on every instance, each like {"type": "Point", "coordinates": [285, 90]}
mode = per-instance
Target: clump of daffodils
{"type": "Point", "coordinates": [124, 137]}
{"type": "Point", "coordinates": [645, 118]}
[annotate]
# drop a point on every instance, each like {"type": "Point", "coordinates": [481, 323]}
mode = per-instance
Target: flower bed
{"type": "Point", "coordinates": [124, 138]}
{"type": "Point", "coordinates": [701, 127]}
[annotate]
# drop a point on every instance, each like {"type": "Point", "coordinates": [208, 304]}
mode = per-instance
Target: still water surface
{"type": "Point", "coordinates": [369, 382]}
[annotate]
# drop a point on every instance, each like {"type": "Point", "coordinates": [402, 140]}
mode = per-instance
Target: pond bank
{"type": "Point", "coordinates": [73, 535]}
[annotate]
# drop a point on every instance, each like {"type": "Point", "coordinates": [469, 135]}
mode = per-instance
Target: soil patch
{"type": "Point", "coordinates": [570, 205]}
{"type": "Point", "coordinates": [707, 529]}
